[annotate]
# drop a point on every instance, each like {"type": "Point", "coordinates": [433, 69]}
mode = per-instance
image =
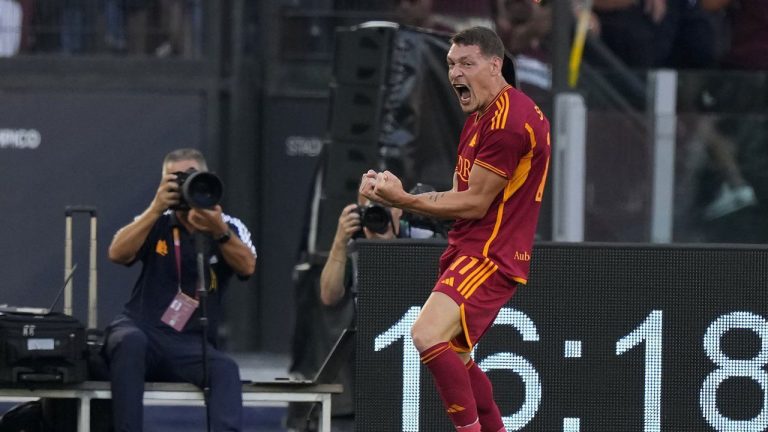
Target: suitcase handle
{"type": "Point", "coordinates": [69, 210]}
{"type": "Point", "coordinates": [92, 294]}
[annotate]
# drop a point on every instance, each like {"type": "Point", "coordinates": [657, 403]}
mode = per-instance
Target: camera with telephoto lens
{"type": "Point", "coordinates": [375, 217]}
{"type": "Point", "coordinates": [198, 189]}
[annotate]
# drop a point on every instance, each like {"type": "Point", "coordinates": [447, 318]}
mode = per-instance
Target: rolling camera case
{"type": "Point", "coordinates": [42, 346]}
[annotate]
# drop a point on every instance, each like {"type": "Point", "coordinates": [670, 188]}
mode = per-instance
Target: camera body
{"type": "Point", "coordinates": [375, 217]}
{"type": "Point", "coordinates": [198, 189]}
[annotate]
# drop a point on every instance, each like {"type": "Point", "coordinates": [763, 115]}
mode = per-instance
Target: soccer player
{"type": "Point", "coordinates": [503, 158]}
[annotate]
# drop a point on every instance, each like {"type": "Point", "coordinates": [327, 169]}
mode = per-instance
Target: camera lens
{"type": "Point", "coordinates": [376, 218]}
{"type": "Point", "coordinates": [202, 190]}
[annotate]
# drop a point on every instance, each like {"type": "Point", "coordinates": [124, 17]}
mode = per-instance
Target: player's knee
{"type": "Point", "coordinates": [425, 337]}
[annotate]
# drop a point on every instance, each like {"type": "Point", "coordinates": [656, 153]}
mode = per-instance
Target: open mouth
{"type": "Point", "coordinates": [463, 92]}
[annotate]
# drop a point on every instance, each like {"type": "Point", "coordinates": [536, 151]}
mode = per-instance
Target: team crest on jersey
{"type": "Point", "coordinates": [161, 247]}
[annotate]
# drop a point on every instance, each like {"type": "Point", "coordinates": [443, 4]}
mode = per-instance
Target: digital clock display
{"type": "Point", "coordinates": [603, 338]}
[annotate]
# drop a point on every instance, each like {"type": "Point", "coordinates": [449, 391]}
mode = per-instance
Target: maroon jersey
{"type": "Point", "coordinates": [511, 139]}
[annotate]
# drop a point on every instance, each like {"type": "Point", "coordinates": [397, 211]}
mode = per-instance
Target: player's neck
{"type": "Point", "coordinates": [496, 90]}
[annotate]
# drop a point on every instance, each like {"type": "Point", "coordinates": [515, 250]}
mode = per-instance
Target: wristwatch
{"type": "Point", "coordinates": [224, 237]}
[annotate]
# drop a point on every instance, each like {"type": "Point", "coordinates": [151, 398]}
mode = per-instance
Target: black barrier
{"type": "Point", "coordinates": [605, 337]}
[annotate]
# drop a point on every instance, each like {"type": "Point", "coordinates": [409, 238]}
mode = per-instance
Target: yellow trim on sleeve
{"type": "Point", "coordinates": [491, 168]}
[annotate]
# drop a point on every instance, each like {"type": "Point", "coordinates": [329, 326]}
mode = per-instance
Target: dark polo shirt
{"type": "Point", "coordinates": [158, 282]}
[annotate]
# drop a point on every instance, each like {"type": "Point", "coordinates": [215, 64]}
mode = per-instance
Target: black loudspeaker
{"type": "Point", "coordinates": [360, 72]}
{"type": "Point", "coordinates": [362, 55]}
{"type": "Point", "coordinates": [343, 171]}
{"type": "Point", "coordinates": [361, 68]}
{"type": "Point", "coordinates": [355, 112]}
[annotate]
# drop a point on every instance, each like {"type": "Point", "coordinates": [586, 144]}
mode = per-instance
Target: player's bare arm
{"type": "Point", "coordinates": [483, 186]}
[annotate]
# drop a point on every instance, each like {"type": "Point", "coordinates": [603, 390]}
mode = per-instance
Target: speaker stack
{"type": "Point", "coordinates": [360, 71]}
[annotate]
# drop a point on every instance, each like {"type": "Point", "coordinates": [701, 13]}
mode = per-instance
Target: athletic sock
{"type": "Point", "coordinates": [452, 382]}
{"type": "Point", "coordinates": [474, 427]}
{"type": "Point", "coordinates": [487, 410]}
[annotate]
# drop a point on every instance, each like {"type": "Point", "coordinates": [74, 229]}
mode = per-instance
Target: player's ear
{"type": "Point", "coordinates": [496, 65]}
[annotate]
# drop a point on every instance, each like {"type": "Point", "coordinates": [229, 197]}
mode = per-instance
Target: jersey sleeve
{"type": "Point", "coordinates": [241, 231]}
{"type": "Point", "coordinates": [146, 247]}
{"type": "Point", "coordinates": [500, 152]}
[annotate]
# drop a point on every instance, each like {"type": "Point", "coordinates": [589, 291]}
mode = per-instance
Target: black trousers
{"type": "Point", "coordinates": [138, 353]}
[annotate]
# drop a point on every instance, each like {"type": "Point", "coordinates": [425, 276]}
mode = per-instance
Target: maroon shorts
{"type": "Point", "coordinates": [480, 290]}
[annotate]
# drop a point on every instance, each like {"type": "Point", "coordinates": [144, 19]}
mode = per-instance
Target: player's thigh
{"type": "Point", "coordinates": [439, 321]}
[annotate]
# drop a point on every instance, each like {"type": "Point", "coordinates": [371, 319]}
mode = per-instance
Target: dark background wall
{"type": "Point", "coordinates": [292, 140]}
{"type": "Point", "coordinates": [100, 148]}
{"type": "Point", "coordinates": [105, 122]}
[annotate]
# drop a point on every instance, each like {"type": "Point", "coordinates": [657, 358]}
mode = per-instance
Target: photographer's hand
{"type": "Point", "coordinates": [234, 251]}
{"type": "Point", "coordinates": [208, 220]}
{"type": "Point", "coordinates": [166, 196]}
{"type": "Point", "coordinates": [349, 224]}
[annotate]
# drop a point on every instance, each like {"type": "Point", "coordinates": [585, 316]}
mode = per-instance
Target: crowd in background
{"type": "Point", "coordinates": [140, 27]}
{"type": "Point", "coordinates": [707, 36]}
{"type": "Point", "coordinates": [643, 34]}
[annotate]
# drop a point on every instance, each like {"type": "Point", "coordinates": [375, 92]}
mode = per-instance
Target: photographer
{"type": "Point", "coordinates": [332, 279]}
{"type": "Point", "coordinates": [158, 336]}
{"type": "Point", "coordinates": [371, 221]}
{"type": "Point", "coordinates": [338, 281]}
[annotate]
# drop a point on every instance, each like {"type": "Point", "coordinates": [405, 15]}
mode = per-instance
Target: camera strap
{"type": "Point", "coordinates": [182, 306]}
{"type": "Point", "coordinates": [177, 254]}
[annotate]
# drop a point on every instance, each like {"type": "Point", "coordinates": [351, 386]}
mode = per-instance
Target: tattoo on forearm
{"type": "Point", "coordinates": [434, 196]}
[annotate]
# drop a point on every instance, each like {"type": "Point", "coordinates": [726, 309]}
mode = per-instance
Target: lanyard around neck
{"type": "Point", "coordinates": [177, 253]}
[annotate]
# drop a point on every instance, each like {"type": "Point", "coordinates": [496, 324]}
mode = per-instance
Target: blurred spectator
{"type": "Point", "coordinates": [73, 26]}
{"type": "Point", "coordinates": [748, 27]}
{"type": "Point", "coordinates": [734, 192]}
{"type": "Point", "coordinates": [737, 147]}
{"type": "Point", "coordinates": [182, 22]}
{"type": "Point", "coordinates": [126, 25]}
{"type": "Point", "coordinates": [524, 26]}
{"type": "Point", "coordinates": [27, 9]}
{"type": "Point", "coordinates": [10, 27]}
{"type": "Point", "coordinates": [419, 13]}
{"type": "Point", "coordinates": [657, 33]}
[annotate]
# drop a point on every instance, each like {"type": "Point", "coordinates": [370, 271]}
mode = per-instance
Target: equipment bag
{"type": "Point", "coordinates": [41, 349]}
